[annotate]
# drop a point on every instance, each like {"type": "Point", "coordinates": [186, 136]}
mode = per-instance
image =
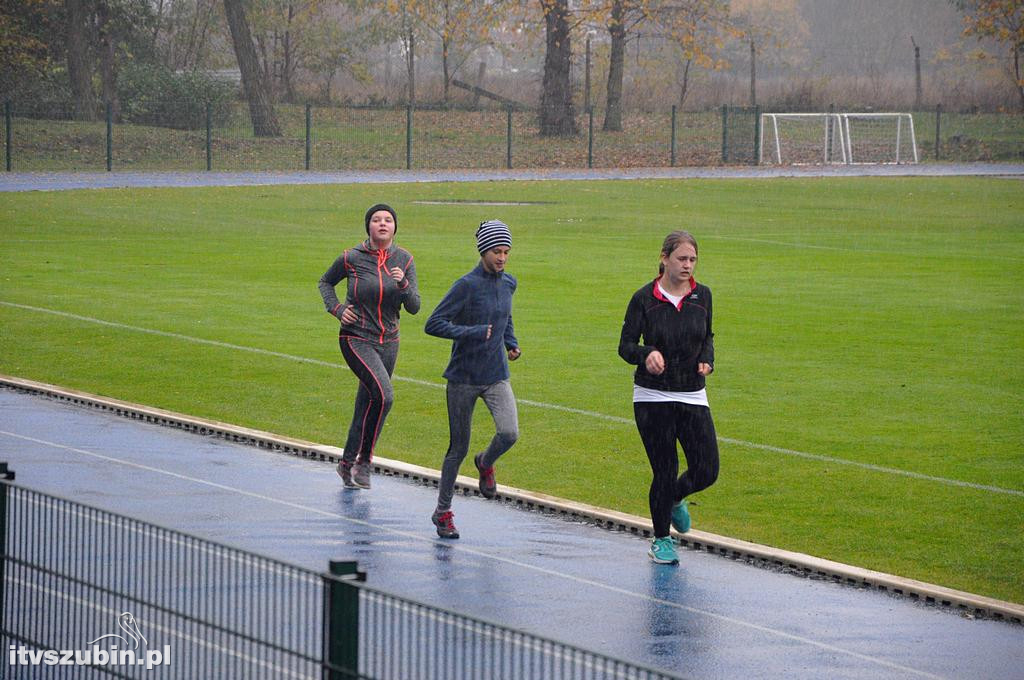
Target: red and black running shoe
{"type": "Point", "coordinates": [488, 487]}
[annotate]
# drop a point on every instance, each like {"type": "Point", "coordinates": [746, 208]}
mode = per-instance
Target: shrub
{"type": "Point", "coordinates": [151, 94]}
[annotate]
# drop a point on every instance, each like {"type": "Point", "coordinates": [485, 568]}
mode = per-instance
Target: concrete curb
{"type": "Point", "coordinates": [807, 565]}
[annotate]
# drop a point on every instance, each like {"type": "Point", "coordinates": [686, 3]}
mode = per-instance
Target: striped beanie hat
{"type": "Point", "coordinates": [492, 234]}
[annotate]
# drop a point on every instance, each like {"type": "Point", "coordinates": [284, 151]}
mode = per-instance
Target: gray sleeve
{"type": "Point", "coordinates": [328, 281]}
{"type": "Point", "coordinates": [411, 292]}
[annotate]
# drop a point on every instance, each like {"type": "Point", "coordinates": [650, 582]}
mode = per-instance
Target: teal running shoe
{"type": "Point", "coordinates": [681, 517]}
{"type": "Point", "coordinates": [663, 551]}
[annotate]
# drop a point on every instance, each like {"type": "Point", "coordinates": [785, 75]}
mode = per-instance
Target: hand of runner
{"type": "Point", "coordinates": [704, 369]}
{"type": "Point", "coordinates": [397, 274]}
{"type": "Point", "coordinates": [655, 363]}
{"type": "Point", "coordinates": [349, 316]}
{"type": "Point", "coordinates": [514, 353]}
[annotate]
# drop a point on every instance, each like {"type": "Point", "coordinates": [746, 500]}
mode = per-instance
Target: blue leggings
{"type": "Point", "coordinates": [661, 425]}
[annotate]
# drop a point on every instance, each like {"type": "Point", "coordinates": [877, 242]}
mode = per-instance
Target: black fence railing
{"type": "Point", "coordinates": [54, 137]}
{"type": "Point", "coordinates": [86, 593]}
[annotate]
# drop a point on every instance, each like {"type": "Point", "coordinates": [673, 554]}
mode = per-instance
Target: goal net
{"type": "Point", "coordinates": [823, 138]}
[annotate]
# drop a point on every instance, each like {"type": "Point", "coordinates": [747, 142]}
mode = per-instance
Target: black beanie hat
{"type": "Point", "coordinates": [375, 208]}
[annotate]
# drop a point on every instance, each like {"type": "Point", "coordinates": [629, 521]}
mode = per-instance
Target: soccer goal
{"type": "Point", "coordinates": [845, 138]}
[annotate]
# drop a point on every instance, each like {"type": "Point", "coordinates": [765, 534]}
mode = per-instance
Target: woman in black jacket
{"type": "Point", "coordinates": [672, 315]}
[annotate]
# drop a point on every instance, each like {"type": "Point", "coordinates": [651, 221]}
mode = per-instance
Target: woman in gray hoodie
{"type": "Point", "coordinates": [381, 279]}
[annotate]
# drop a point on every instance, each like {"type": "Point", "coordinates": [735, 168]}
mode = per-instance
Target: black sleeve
{"type": "Point", "coordinates": [707, 351]}
{"type": "Point", "coordinates": [630, 348]}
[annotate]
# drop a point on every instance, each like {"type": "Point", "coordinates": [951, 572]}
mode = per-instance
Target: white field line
{"type": "Point", "coordinates": [811, 246]}
{"type": "Point", "coordinates": [528, 402]}
{"type": "Point", "coordinates": [488, 555]}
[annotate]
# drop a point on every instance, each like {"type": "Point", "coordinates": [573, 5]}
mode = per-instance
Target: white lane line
{"type": "Point", "coordinates": [528, 402]}
{"type": "Point", "coordinates": [811, 246]}
{"type": "Point", "coordinates": [483, 555]}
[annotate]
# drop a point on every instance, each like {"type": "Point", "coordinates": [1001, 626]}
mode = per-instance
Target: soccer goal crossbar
{"type": "Point", "coordinates": [837, 138]}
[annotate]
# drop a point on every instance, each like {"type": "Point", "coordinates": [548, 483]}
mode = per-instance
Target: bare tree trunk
{"type": "Point", "coordinates": [444, 69]}
{"type": "Point", "coordinates": [917, 74]}
{"type": "Point", "coordinates": [1016, 73]}
{"type": "Point", "coordinates": [445, 45]}
{"type": "Point", "coordinates": [557, 117]}
{"type": "Point", "coordinates": [753, 73]}
{"type": "Point", "coordinates": [410, 65]}
{"type": "Point", "coordinates": [108, 65]}
{"type": "Point", "coordinates": [685, 84]}
{"type": "Point", "coordinates": [289, 59]}
{"type": "Point", "coordinates": [261, 108]}
{"type": "Point", "coordinates": [157, 21]}
{"type": "Point", "coordinates": [616, 68]}
{"type": "Point", "coordinates": [79, 24]}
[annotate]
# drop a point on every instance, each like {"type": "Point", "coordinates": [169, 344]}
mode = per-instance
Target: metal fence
{"type": "Point", "coordinates": [39, 137]}
{"type": "Point", "coordinates": [87, 593]}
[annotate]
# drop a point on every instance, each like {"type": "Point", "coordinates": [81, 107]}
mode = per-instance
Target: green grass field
{"type": "Point", "coordinates": [874, 324]}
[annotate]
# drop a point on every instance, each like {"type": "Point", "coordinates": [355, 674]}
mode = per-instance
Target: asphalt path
{"type": "Point", "coordinates": [710, 617]}
{"type": "Point", "coordinates": [59, 181]}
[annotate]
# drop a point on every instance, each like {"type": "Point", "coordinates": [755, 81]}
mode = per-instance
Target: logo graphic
{"type": "Point", "coordinates": [130, 626]}
{"type": "Point", "coordinates": [133, 650]}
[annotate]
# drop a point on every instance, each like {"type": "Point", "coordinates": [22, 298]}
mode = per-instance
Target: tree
{"type": "Point", "coordinates": [625, 14]}
{"type": "Point", "coordinates": [261, 107]}
{"type": "Point", "coordinates": [692, 24]}
{"type": "Point", "coordinates": [697, 30]}
{"type": "Point", "coordinates": [557, 116]}
{"type": "Point", "coordinates": [78, 39]}
{"type": "Point", "coordinates": [1002, 20]}
{"type": "Point", "coordinates": [762, 24]}
{"type": "Point", "coordinates": [26, 28]}
{"type": "Point", "coordinates": [464, 24]}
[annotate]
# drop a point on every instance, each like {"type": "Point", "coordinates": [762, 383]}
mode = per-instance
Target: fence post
{"type": "Point", "coordinates": [673, 147]}
{"type": "Point", "coordinates": [757, 136]}
{"type": "Point", "coordinates": [110, 136]}
{"type": "Point", "coordinates": [829, 132]}
{"type": "Point", "coordinates": [7, 131]}
{"type": "Point", "coordinates": [590, 137]}
{"type": "Point", "coordinates": [209, 137]}
{"type": "Point", "coordinates": [508, 142]}
{"type": "Point", "coordinates": [341, 621]}
{"type": "Point", "coordinates": [938, 121]}
{"type": "Point", "coordinates": [725, 134]}
{"type": "Point", "coordinates": [309, 127]}
{"type": "Point", "coordinates": [408, 137]}
{"type": "Point", "coordinates": [5, 474]}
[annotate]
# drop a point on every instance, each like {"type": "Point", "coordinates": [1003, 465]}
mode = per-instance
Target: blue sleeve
{"type": "Point", "coordinates": [441, 322]}
{"type": "Point", "coordinates": [510, 333]}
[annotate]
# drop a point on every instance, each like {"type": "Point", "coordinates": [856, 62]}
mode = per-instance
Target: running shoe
{"type": "Point", "coordinates": [681, 516]}
{"type": "Point", "coordinates": [663, 551]}
{"type": "Point", "coordinates": [345, 472]}
{"type": "Point", "coordinates": [488, 487]}
{"type": "Point", "coordinates": [445, 523]}
{"type": "Point", "coordinates": [361, 475]}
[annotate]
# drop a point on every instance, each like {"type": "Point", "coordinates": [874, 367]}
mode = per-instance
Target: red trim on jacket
{"type": "Point", "coordinates": [658, 294]}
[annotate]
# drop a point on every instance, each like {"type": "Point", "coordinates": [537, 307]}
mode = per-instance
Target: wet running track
{"type": "Point", "coordinates": [712, 617]}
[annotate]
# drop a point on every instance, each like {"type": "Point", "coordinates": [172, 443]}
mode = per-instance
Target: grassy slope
{"type": "Point", "coordinates": [869, 320]}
